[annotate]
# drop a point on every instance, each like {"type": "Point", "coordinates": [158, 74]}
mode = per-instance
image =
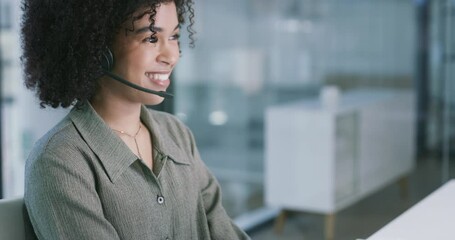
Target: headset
{"type": "Point", "coordinates": [107, 64]}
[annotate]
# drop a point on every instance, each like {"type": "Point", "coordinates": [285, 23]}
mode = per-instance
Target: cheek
{"type": "Point", "coordinates": [137, 61]}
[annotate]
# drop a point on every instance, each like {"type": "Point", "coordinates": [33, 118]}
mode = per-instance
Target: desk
{"type": "Point", "coordinates": [431, 218]}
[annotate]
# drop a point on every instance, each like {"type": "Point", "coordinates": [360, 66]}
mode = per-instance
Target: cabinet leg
{"type": "Point", "coordinates": [279, 221]}
{"type": "Point", "coordinates": [329, 230]}
{"type": "Point", "coordinates": [403, 182]}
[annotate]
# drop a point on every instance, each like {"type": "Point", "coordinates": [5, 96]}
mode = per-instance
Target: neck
{"type": "Point", "coordinates": [117, 113]}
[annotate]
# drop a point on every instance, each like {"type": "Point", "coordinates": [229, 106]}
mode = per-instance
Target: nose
{"type": "Point", "coordinates": [168, 54]}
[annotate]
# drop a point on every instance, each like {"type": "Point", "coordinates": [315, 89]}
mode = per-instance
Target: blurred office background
{"type": "Point", "coordinates": [252, 55]}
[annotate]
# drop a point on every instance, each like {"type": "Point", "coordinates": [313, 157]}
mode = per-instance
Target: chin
{"type": "Point", "coordinates": [153, 100]}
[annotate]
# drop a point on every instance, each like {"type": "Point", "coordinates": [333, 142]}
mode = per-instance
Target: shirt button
{"type": "Point", "coordinates": [160, 199]}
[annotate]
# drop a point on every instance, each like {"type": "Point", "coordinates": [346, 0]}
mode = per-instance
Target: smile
{"type": "Point", "coordinates": [158, 76]}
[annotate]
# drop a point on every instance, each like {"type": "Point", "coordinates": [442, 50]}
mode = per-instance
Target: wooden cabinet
{"type": "Point", "coordinates": [322, 159]}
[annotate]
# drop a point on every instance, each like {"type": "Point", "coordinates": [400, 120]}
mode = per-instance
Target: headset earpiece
{"type": "Point", "coordinates": [107, 60]}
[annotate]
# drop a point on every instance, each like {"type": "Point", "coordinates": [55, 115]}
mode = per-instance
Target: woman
{"type": "Point", "coordinates": [113, 169]}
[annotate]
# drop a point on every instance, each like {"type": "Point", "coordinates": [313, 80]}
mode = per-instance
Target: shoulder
{"type": "Point", "coordinates": [59, 163]}
{"type": "Point", "coordinates": [62, 145]}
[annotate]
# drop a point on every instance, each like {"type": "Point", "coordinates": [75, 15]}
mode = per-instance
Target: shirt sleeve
{"type": "Point", "coordinates": [61, 198]}
{"type": "Point", "coordinates": [220, 224]}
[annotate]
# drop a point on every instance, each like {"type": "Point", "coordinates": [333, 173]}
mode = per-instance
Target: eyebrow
{"type": "Point", "coordinates": [157, 29]}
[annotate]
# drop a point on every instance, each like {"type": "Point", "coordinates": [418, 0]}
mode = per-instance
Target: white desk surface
{"type": "Point", "coordinates": [431, 218]}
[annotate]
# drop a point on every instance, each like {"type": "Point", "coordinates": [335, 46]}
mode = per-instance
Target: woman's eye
{"type": "Point", "coordinates": [175, 37]}
{"type": "Point", "coordinates": [151, 39]}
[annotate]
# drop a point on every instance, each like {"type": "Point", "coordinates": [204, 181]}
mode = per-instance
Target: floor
{"type": "Point", "coordinates": [365, 217]}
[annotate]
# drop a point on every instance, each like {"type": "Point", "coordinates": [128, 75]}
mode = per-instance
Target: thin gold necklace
{"type": "Point", "coordinates": [133, 137]}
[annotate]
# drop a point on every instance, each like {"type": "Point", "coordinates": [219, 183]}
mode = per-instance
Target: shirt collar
{"type": "Point", "coordinates": [163, 140]}
{"type": "Point", "coordinates": [115, 156]}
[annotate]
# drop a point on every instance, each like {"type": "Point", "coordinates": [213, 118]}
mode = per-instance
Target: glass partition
{"type": "Point", "coordinates": [441, 115]}
{"type": "Point", "coordinates": [252, 55]}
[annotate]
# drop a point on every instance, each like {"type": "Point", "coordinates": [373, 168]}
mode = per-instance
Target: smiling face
{"type": "Point", "coordinates": [143, 58]}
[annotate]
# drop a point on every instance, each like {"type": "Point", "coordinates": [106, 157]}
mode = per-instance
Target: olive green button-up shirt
{"type": "Point", "coordinates": [83, 182]}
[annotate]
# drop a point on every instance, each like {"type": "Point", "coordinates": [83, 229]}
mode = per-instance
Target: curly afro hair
{"type": "Point", "coordinates": [62, 42]}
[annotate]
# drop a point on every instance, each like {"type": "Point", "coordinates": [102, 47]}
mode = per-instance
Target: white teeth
{"type": "Point", "coordinates": [158, 76]}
